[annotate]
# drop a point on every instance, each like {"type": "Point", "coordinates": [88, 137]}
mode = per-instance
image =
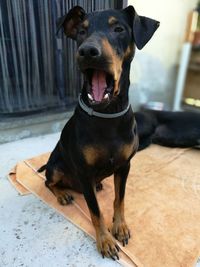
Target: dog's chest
{"type": "Point", "coordinates": [108, 146]}
{"type": "Point", "coordinates": [111, 155]}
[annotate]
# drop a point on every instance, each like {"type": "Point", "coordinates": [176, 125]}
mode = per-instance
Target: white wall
{"type": "Point", "coordinates": [153, 72]}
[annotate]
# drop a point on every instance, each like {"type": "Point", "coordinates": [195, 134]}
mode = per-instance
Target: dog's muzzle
{"type": "Point", "coordinates": [94, 65]}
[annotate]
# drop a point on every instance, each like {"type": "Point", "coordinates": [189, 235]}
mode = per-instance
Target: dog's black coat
{"type": "Point", "coordinates": [92, 148]}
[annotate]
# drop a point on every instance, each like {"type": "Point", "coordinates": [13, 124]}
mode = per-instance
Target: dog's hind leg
{"type": "Point", "coordinates": [54, 183]}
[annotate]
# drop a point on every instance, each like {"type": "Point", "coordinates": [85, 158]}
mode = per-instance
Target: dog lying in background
{"type": "Point", "coordinates": [167, 128]}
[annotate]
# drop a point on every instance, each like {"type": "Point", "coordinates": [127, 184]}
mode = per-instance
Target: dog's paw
{"type": "Point", "coordinates": [107, 246]}
{"type": "Point", "coordinates": [65, 199]}
{"type": "Point", "coordinates": [121, 232]}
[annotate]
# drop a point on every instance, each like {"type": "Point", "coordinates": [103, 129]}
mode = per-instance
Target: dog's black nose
{"type": "Point", "coordinates": [89, 51]}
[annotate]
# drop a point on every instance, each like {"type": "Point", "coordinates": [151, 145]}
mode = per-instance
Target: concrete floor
{"type": "Point", "coordinates": [31, 233]}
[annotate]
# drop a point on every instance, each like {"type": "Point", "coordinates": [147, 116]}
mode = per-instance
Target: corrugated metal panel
{"type": "Point", "coordinates": [38, 70]}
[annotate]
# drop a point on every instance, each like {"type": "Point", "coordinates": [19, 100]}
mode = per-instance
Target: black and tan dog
{"type": "Point", "coordinates": [101, 137]}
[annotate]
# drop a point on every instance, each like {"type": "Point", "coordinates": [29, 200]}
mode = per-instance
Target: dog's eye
{"type": "Point", "coordinates": [82, 32]}
{"type": "Point", "coordinates": [118, 29]}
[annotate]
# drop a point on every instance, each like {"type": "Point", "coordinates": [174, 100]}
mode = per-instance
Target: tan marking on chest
{"type": "Point", "coordinates": [128, 149]}
{"type": "Point", "coordinates": [93, 154]}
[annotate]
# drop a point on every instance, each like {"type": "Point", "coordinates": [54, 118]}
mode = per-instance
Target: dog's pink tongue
{"type": "Point", "coordinates": [98, 85]}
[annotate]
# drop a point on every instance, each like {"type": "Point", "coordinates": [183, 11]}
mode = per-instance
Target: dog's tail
{"type": "Point", "coordinates": [41, 169]}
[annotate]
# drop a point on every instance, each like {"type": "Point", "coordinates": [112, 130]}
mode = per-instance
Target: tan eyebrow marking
{"type": "Point", "coordinates": [112, 20]}
{"type": "Point", "coordinates": [85, 23]}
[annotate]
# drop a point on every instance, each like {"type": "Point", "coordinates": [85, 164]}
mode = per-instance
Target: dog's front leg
{"type": "Point", "coordinates": [106, 244]}
{"type": "Point", "coordinates": [120, 229]}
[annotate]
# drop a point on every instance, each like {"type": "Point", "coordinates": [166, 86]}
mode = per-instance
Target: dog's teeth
{"type": "Point", "coordinates": [90, 97]}
{"type": "Point", "coordinates": [106, 96]}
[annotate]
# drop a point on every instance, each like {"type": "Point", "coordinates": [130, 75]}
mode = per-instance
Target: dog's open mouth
{"type": "Point", "coordinates": [100, 86]}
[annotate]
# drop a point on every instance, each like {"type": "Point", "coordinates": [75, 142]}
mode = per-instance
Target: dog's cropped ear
{"type": "Point", "coordinates": [143, 27]}
{"type": "Point", "coordinates": [70, 21]}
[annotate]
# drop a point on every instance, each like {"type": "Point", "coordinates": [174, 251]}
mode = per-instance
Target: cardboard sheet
{"type": "Point", "coordinates": [19, 187]}
{"type": "Point", "coordinates": [162, 205]}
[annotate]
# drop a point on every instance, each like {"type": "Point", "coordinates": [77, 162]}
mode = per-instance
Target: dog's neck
{"type": "Point", "coordinates": [119, 102]}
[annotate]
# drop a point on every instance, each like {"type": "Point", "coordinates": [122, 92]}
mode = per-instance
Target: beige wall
{"type": "Point", "coordinates": [153, 72]}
